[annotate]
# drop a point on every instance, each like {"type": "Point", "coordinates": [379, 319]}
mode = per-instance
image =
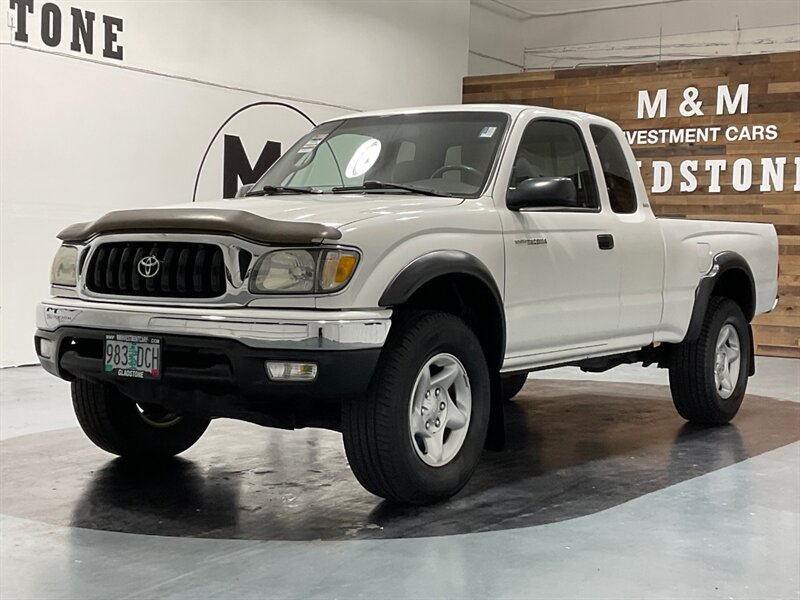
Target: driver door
{"type": "Point", "coordinates": [562, 278]}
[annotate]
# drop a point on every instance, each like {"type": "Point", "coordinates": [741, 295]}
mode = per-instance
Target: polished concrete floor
{"type": "Point", "coordinates": [603, 492]}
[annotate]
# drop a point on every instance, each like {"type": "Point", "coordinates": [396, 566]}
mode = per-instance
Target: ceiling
{"type": "Point", "coordinates": [523, 10]}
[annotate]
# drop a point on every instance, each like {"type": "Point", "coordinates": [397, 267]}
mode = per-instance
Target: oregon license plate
{"type": "Point", "coordinates": [130, 355]}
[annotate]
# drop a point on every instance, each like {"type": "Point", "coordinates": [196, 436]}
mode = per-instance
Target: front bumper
{"type": "Point", "coordinates": [254, 327]}
{"type": "Point", "coordinates": [213, 360]}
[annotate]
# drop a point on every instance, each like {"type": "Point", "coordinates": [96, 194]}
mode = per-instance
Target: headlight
{"type": "Point", "coordinates": [303, 271]}
{"type": "Point", "coordinates": [65, 267]}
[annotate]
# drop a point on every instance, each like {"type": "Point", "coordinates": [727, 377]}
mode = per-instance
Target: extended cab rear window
{"type": "Point", "coordinates": [619, 183]}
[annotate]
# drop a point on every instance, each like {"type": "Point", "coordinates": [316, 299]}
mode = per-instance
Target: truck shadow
{"type": "Point", "coordinates": [573, 449]}
{"type": "Point", "coordinates": [574, 453]}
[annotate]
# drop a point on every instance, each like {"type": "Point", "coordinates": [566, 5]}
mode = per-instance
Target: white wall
{"type": "Point", "coordinates": [666, 31]}
{"type": "Point", "coordinates": [81, 135]}
{"type": "Point", "coordinates": [495, 42]}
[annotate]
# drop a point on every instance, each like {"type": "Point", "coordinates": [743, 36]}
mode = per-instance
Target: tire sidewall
{"type": "Point", "coordinates": [728, 313]}
{"type": "Point", "coordinates": [452, 337]}
{"type": "Point", "coordinates": [112, 421]}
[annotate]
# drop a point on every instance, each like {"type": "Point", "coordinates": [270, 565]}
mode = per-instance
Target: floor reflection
{"type": "Point", "coordinates": [573, 449]}
{"type": "Point", "coordinates": [175, 498]}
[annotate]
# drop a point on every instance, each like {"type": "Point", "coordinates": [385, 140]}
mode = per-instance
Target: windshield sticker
{"type": "Point", "coordinates": [312, 143]}
{"type": "Point", "coordinates": [363, 158]}
{"type": "Point", "coordinates": [487, 132]}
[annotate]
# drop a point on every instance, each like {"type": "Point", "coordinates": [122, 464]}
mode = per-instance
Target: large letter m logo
{"type": "Point", "coordinates": [236, 166]}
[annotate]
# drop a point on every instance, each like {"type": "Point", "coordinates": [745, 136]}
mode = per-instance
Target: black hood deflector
{"type": "Point", "coordinates": [238, 223]}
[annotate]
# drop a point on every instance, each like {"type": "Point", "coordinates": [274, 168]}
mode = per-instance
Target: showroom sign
{"type": "Point", "coordinates": [770, 171]}
{"type": "Point", "coordinates": [77, 29]}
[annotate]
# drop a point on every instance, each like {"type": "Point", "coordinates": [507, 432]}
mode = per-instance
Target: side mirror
{"type": "Point", "coordinates": [243, 190]}
{"type": "Point", "coordinates": [543, 192]}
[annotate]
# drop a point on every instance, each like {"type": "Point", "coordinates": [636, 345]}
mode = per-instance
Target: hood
{"type": "Point", "coordinates": [270, 219]}
{"type": "Point", "coordinates": [332, 210]}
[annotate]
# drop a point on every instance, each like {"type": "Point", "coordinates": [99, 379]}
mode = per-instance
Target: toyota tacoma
{"type": "Point", "coordinates": [395, 276]}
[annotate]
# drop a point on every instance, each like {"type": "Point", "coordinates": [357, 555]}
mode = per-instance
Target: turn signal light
{"type": "Point", "coordinates": [337, 268]}
{"type": "Point", "coordinates": [290, 371]}
{"type": "Point", "coordinates": [46, 347]}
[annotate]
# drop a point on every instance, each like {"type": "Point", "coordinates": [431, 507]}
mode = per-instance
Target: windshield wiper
{"type": "Point", "coordinates": [270, 190]}
{"type": "Point", "coordinates": [385, 185]}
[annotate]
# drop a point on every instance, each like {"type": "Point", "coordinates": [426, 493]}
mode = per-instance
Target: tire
{"type": "Point", "coordinates": [118, 425]}
{"type": "Point", "coordinates": [701, 395]}
{"type": "Point", "coordinates": [513, 384]}
{"type": "Point", "coordinates": [390, 453]}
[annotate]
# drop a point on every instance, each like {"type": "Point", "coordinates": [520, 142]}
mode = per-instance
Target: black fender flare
{"type": "Point", "coordinates": [427, 267]}
{"type": "Point", "coordinates": [435, 264]}
{"type": "Point", "coordinates": [438, 263]}
{"type": "Point", "coordinates": [723, 262]}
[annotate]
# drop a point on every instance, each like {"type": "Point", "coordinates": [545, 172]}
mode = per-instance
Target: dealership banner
{"type": "Point", "coordinates": [715, 138]}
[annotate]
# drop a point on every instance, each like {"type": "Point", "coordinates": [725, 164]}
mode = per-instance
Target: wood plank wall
{"type": "Point", "coordinates": [774, 99]}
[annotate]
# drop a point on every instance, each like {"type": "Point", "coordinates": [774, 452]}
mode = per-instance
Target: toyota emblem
{"type": "Point", "coordinates": [148, 267]}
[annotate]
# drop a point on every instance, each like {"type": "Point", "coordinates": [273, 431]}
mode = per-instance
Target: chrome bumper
{"type": "Point", "coordinates": [254, 327]}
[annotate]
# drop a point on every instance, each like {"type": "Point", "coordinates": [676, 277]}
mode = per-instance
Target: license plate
{"type": "Point", "coordinates": [134, 356]}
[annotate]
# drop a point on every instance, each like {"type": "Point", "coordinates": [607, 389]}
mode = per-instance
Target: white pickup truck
{"type": "Point", "coordinates": [395, 276]}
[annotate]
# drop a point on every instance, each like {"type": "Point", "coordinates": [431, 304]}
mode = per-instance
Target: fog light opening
{"type": "Point", "coordinates": [290, 371]}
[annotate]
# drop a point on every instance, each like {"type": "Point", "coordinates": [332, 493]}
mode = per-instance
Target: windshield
{"type": "Point", "coordinates": [448, 154]}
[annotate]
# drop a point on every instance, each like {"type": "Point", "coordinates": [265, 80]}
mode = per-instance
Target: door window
{"type": "Point", "coordinates": [619, 183]}
{"type": "Point", "coordinates": [555, 149]}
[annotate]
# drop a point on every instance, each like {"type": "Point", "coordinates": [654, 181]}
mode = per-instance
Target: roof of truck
{"type": "Point", "coordinates": [511, 109]}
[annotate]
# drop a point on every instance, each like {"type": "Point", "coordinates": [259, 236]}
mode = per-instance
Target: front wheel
{"type": "Point", "coordinates": [418, 435]}
{"type": "Point", "coordinates": [708, 376]}
{"type": "Point", "coordinates": [130, 429]}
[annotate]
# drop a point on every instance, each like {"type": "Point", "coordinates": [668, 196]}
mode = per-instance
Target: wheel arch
{"type": "Point", "coordinates": [730, 277]}
{"type": "Point", "coordinates": [456, 282]}
{"type": "Point", "coordinates": [460, 283]}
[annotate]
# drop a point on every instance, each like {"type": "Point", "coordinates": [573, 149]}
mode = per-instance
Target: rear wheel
{"type": "Point", "coordinates": [513, 384]}
{"type": "Point", "coordinates": [121, 426]}
{"type": "Point", "coordinates": [418, 435]}
{"type": "Point", "coordinates": [708, 376]}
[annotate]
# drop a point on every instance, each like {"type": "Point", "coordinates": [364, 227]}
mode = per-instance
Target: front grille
{"type": "Point", "coordinates": [183, 270]}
